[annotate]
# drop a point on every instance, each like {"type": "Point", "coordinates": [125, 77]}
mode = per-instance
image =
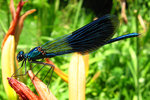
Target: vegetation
{"type": "Point", "coordinates": [123, 68]}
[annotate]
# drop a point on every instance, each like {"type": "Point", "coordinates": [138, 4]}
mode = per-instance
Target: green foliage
{"type": "Point", "coordinates": [124, 65]}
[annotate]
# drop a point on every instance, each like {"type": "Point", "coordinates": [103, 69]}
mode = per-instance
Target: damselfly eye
{"type": "Point", "coordinates": [20, 56]}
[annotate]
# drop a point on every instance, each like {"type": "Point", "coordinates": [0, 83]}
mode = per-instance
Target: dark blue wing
{"type": "Point", "coordinates": [85, 39]}
{"type": "Point", "coordinates": [94, 34]}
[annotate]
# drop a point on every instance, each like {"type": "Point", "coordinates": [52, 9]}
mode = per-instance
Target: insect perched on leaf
{"type": "Point", "coordinates": [86, 39]}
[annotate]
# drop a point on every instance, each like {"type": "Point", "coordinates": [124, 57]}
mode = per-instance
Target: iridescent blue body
{"type": "Point", "coordinates": [86, 39]}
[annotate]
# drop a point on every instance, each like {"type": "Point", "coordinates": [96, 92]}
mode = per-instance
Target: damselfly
{"type": "Point", "coordinates": [86, 39]}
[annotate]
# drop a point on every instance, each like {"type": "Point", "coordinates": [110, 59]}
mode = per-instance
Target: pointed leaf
{"type": "Point", "coordinates": [41, 88]}
{"type": "Point", "coordinates": [7, 61]}
{"type": "Point", "coordinates": [22, 90]}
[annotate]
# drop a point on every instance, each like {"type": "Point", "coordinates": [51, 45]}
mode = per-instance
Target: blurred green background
{"type": "Point", "coordinates": [124, 66]}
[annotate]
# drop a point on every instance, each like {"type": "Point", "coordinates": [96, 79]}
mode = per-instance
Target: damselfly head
{"type": "Point", "coordinates": [20, 56]}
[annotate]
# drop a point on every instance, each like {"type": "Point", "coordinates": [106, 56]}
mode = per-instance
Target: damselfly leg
{"type": "Point", "coordinates": [51, 70]}
{"type": "Point", "coordinates": [13, 75]}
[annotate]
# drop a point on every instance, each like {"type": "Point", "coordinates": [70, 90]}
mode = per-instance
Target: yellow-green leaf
{"type": "Point", "coordinates": [7, 61]}
{"type": "Point", "coordinates": [77, 78]}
